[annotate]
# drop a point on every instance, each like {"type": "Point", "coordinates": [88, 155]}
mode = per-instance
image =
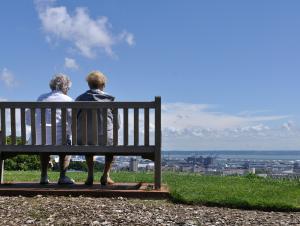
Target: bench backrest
{"type": "Point", "coordinates": [117, 107]}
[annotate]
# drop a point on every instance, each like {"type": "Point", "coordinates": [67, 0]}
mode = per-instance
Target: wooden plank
{"type": "Point", "coordinates": [53, 125]}
{"type": "Point", "coordinates": [33, 129]}
{"type": "Point", "coordinates": [64, 126]}
{"type": "Point", "coordinates": [157, 169]}
{"type": "Point", "coordinates": [136, 127]}
{"type": "Point", "coordinates": [23, 126]}
{"type": "Point", "coordinates": [104, 117]}
{"type": "Point", "coordinates": [43, 126]}
{"type": "Point", "coordinates": [115, 126]}
{"type": "Point", "coordinates": [70, 149]}
{"type": "Point", "coordinates": [125, 125]}
{"type": "Point", "coordinates": [74, 126]}
{"type": "Point", "coordinates": [84, 127]}
{"type": "Point", "coordinates": [13, 125]}
{"type": "Point", "coordinates": [146, 126]}
{"type": "Point", "coordinates": [95, 126]}
{"type": "Point", "coordinates": [3, 126]}
{"type": "Point", "coordinates": [77, 104]}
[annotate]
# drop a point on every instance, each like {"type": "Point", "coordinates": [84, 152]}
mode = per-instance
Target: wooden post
{"type": "Point", "coordinates": [157, 173]}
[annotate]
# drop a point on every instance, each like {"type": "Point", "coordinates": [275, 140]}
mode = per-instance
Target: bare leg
{"type": "Point", "coordinates": [44, 158]}
{"type": "Point", "coordinates": [90, 167]}
{"type": "Point", "coordinates": [64, 161]}
{"type": "Point", "coordinates": [105, 179]}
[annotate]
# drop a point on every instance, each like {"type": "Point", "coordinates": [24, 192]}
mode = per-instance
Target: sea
{"type": "Point", "coordinates": [243, 155]}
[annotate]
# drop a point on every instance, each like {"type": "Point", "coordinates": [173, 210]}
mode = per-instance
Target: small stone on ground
{"type": "Point", "coordinates": [41, 210]}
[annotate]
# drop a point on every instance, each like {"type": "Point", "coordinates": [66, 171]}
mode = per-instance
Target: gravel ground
{"type": "Point", "coordinates": [120, 211]}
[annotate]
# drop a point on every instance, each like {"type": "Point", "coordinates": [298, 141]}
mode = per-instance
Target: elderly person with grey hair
{"type": "Point", "coordinates": [59, 85]}
{"type": "Point", "coordinates": [96, 82]}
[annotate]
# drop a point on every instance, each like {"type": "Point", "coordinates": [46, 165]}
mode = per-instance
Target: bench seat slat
{"type": "Point", "coordinates": [146, 126]}
{"type": "Point", "coordinates": [77, 104]}
{"type": "Point", "coordinates": [136, 127]}
{"type": "Point", "coordinates": [3, 125]}
{"type": "Point", "coordinates": [23, 126]}
{"type": "Point", "coordinates": [43, 125]}
{"type": "Point", "coordinates": [74, 126]}
{"type": "Point", "coordinates": [53, 125]}
{"type": "Point", "coordinates": [13, 125]}
{"type": "Point", "coordinates": [84, 127]}
{"type": "Point", "coordinates": [64, 126]}
{"type": "Point", "coordinates": [95, 126]}
{"type": "Point", "coordinates": [104, 117]}
{"type": "Point", "coordinates": [125, 125]}
{"type": "Point", "coordinates": [35, 149]}
{"type": "Point", "coordinates": [33, 129]}
{"type": "Point", "coordinates": [115, 126]}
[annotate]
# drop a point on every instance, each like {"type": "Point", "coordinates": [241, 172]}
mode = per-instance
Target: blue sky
{"type": "Point", "coordinates": [228, 71]}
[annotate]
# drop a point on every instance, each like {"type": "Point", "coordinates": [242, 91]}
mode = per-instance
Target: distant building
{"type": "Point", "coordinates": [296, 167]}
{"type": "Point", "coordinates": [133, 165]}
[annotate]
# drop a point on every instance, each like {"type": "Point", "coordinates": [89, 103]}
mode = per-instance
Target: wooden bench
{"type": "Point", "coordinates": [147, 149]}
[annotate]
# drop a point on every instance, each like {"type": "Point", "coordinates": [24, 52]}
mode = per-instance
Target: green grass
{"type": "Point", "coordinates": [235, 192]}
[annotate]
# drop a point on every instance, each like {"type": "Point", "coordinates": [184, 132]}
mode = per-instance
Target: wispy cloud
{"type": "Point", "coordinates": [8, 78]}
{"type": "Point", "coordinates": [86, 34]}
{"type": "Point", "coordinates": [71, 63]}
{"type": "Point", "coordinates": [198, 126]}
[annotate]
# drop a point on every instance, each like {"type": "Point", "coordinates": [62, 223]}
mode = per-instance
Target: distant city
{"type": "Point", "coordinates": [273, 164]}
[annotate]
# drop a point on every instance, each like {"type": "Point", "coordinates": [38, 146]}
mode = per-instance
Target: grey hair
{"type": "Point", "coordinates": [60, 82]}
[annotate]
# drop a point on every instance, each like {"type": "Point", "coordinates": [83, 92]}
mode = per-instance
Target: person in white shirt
{"type": "Point", "coordinates": [59, 85]}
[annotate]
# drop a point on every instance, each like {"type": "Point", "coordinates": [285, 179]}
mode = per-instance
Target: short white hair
{"type": "Point", "coordinates": [60, 82]}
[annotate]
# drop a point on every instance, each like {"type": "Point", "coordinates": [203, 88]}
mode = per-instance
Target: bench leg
{"type": "Point", "coordinates": [157, 170]}
{"type": "Point", "coordinates": [1, 169]}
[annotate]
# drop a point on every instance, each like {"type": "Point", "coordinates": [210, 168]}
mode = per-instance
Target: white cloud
{"type": "Point", "coordinates": [128, 37]}
{"type": "Point", "coordinates": [8, 78]}
{"type": "Point", "coordinates": [71, 63]}
{"type": "Point", "coordinates": [86, 34]}
{"type": "Point", "coordinates": [197, 126]}
{"type": "Point", "coordinates": [3, 99]}
{"type": "Point", "coordinates": [185, 115]}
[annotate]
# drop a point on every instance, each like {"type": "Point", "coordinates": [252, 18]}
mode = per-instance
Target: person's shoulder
{"type": "Point", "coordinates": [65, 97]}
{"type": "Point", "coordinates": [43, 96]}
{"type": "Point", "coordinates": [108, 96]}
{"type": "Point", "coordinates": [81, 96]}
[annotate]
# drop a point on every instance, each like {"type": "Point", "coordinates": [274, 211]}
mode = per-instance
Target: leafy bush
{"type": "Point", "coordinates": [21, 162]}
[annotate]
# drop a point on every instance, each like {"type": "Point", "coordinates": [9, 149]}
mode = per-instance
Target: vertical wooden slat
{"type": "Point", "coordinates": [84, 127]}
{"type": "Point", "coordinates": [104, 117]}
{"type": "Point", "coordinates": [115, 126]}
{"type": "Point", "coordinates": [74, 126]}
{"type": "Point", "coordinates": [23, 126]}
{"type": "Point", "coordinates": [3, 126]}
{"type": "Point", "coordinates": [95, 126]}
{"type": "Point", "coordinates": [157, 143]}
{"type": "Point", "coordinates": [125, 125]}
{"type": "Point", "coordinates": [13, 125]}
{"type": "Point", "coordinates": [1, 169]}
{"type": "Point", "coordinates": [136, 126]}
{"type": "Point", "coordinates": [43, 126]}
{"type": "Point", "coordinates": [64, 126]}
{"type": "Point", "coordinates": [146, 126]}
{"type": "Point", "coordinates": [33, 129]}
{"type": "Point", "coordinates": [53, 125]}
